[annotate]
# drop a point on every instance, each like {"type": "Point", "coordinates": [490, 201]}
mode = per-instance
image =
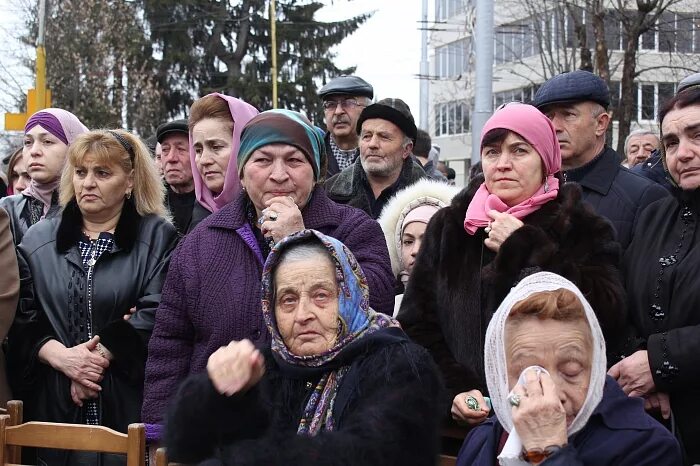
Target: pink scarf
{"type": "Point", "coordinates": [241, 113]}
{"type": "Point", "coordinates": [538, 131]}
{"type": "Point", "coordinates": [72, 128]}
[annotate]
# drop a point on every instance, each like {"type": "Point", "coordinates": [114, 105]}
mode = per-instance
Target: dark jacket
{"type": "Point", "coordinates": [17, 207]}
{"type": "Point", "coordinates": [131, 274]}
{"type": "Point", "coordinates": [351, 186]}
{"type": "Point", "coordinates": [615, 192]}
{"type": "Point", "coordinates": [618, 433]}
{"type": "Point", "coordinates": [668, 239]}
{"type": "Point", "coordinates": [385, 410]}
{"type": "Point", "coordinates": [332, 167]}
{"type": "Point", "coordinates": [653, 169]}
{"type": "Point", "coordinates": [212, 294]}
{"type": "Point", "coordinates": [199, 213]}
{"type": "Point", "coordinates": [457, 283]}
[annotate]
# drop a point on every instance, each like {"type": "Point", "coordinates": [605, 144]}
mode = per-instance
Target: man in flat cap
{"type": "Point", "coordinates": [344, 98]}
{"type": "Point", "coordinates": [173, 138]}
{"type": "Point", "coordinates": [576, 102]}
{"type": "Point", "coordinates": [387, 134]}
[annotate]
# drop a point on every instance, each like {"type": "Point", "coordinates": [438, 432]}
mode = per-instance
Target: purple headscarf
{"type": "Point", "coordinates": [241, 113]}
{"type": "Point", "coordinates": [66, 127]}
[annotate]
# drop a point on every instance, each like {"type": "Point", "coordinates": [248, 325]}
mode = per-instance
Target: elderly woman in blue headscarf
{"type": "Point", "coordinates": [339, 383]}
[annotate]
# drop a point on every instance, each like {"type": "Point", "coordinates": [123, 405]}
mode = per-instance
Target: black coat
{"type": "Point", "coordinates": [17, 207]}
{"type": "Point", "coordinates": [615, 192]}
{"type": "Point", "coordinates": [668, 230]}
{"type": "Point", "coordinates": [55, 296]}
{"type": "Point", "coordinates": [386, 413]}
{"type": "Point", "coordinates": [351, 186]}
{"type": "Point", "coordinates": [457, 283]}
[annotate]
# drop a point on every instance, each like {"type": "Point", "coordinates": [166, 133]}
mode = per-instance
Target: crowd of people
{"type": "Point", "coordinates": [259, 290]}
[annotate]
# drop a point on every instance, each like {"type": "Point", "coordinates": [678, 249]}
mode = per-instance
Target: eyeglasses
{"type": "Point", "coordinates": [331, 105]}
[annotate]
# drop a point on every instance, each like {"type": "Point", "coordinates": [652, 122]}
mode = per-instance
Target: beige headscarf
{"type": "Point", "coordinates": [496, 368]}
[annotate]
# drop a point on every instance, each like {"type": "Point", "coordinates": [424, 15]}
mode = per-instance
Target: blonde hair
{"type": "Point", "coordinates": [148, 191]}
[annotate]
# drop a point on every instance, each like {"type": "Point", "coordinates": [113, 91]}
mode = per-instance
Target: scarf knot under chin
{"type": "Point", "coordinates": [483, 202]}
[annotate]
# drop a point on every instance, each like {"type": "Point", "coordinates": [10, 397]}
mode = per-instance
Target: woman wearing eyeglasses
{"type": "Point", "coordinates": [513, 221]}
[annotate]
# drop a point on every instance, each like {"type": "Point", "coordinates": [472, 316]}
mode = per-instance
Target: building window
{"type": "Point", "coordinates": [650, 97]}
{"type": "Point", "coordinates": [445, 9]}
{"type": "Point", "coordinates": [524, 95]}
{"type": "Point", "coordinates": [452, 59]}
{"type": "Point", "coordinates": [451, 118]}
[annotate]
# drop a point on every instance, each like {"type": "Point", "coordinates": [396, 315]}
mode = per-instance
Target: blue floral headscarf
{"type": "Point", "coordinates": [358, 321]}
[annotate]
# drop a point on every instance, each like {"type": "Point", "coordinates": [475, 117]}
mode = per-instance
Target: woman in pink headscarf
{"type": "Point", "coordinates": [216, 121]}
{"type": "Point", "coordinates": [47, 135]}
{"type": "Point", "coordinates": [515, 220]}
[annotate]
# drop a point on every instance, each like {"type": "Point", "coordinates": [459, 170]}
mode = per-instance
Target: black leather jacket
{"type": "Point", "coordinates": [54, 305]}
{"type": "Point", "coordinates": [16, 207]}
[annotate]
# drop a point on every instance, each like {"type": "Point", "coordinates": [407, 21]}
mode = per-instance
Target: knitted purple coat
{"type": "Point", "coordinates": [211, 295]}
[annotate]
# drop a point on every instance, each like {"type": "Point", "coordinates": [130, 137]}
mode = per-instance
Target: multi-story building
{"type": "Point", "coordinates": [535, 40]}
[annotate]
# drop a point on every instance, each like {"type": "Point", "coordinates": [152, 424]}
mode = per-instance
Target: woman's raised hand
{"type": "Point", "coordinates": [502, 226]}
{"type": "Point", "coordinates": [463, 413]}
{"type": "Point", "coordinates": [539, 417]}
{"type": "Point", "coordinates": [236, 367]}
{"type": "Point", "coordinates": [281, 218]}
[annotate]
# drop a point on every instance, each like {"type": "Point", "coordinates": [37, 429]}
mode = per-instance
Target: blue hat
{"type": "Point", "coordinates": [692, 81]}
{"type": "Point", "coordinates": [576, 86]}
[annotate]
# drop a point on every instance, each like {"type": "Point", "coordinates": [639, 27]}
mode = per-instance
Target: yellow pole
{"type": "Point", "coordinates": [40, 61]}
{"type": "Point", "coordinates": [273, 38]}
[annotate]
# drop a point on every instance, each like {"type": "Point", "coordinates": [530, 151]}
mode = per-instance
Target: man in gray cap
{"type": "Point", "coordinates": [576, 102]}
{"type": "Point", "coordinates": [344, 98]}
{"type": "Point", "coordinates": [174, 141]}
{"type": "Point", "coordinates": [385, 166]}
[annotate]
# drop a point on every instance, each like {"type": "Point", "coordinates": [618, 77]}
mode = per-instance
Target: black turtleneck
{"type": "Point", "coordinates": [180, 207]}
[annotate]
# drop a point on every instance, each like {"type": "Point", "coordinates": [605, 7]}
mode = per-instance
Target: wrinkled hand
{"type": "Point", "coordinates": [540, 419]}
{"type": "Point", "coordinates": [633, 374]}
{"type": "Point", "coordinates": [502, 226]}
{"type": "Point", "coordinates": [289, 219]}
{"type": "Point", "coordinates": [658, 402]}
{"type": "Point", "coordinates": [79, 393]}
{"type": "Point", "coordinates": [461, 412]}
{"type": "Point", "coordinates": [83, 364]}
{"type": "Point", "coordinates": [236, 367]}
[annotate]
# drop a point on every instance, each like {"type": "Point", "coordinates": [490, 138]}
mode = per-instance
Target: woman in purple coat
{"type": "Point", "coordinates": [212, 292]}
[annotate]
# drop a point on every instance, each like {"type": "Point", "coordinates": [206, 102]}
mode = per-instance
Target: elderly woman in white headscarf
{"type": "Point", "coordinates": [545, 370]}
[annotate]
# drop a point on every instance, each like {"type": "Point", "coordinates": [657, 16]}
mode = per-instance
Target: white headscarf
{"type": "Point", "coordinates": [496, 365]}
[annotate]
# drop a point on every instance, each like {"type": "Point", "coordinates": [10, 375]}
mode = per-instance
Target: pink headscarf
{"type": "Point", "coordinates": [71, 127]}
{"type": "Point", "coordinates": [241, 113]}
{"type": "Point", "coordinates": [537, 130]}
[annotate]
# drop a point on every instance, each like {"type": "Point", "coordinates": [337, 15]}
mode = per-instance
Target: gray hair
{"type": "Point", "coordinates": [640, 132]}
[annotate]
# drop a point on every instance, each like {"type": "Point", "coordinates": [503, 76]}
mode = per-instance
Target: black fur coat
{"type": "Point", "coordinates": [457, 282]}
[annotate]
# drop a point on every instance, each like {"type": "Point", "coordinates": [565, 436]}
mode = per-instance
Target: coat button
{"type": "Point", "coordinates": [256, 335]}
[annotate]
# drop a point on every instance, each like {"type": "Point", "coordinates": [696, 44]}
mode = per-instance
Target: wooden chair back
{"type": "Point", "coordinates": [447, 460]}
{"type": "Point", "coordinates": [161, 457]}
{"type": "Point", "coordinates": [76, 437]}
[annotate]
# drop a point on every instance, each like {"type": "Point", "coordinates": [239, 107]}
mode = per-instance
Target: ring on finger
{"type": "Point", "coordinates": [471, 402]}
{"type": "Point", "coordinates": [272, 215]}
{"type": "Point", "coordinates": [514, 400]}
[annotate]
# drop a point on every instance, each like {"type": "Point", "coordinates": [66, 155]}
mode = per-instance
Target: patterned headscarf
{"type": "Point", "coordinates": [282, 127]}
{"type": "Point", "coordinates": [358, 321]}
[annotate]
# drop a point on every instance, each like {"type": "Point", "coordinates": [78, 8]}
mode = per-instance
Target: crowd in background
{"type": "Point", "coordinates": [259, 290]}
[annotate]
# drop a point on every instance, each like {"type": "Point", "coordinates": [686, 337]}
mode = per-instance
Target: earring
{"type": "Point", "coordinates": [546, 185]}
{"type": "Point", "coordinates": [128, 194]}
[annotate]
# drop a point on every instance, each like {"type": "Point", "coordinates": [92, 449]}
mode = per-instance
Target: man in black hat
{"type": "Point", "coordinates": [576, 102]}
{"type": "Point", "coordinates": [344, 98]}
{"type": "Point", "coordinates": [173, 138]}
{"type": "Point", "coordinates": [387, 134]}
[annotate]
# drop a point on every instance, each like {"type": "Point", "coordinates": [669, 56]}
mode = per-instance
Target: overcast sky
{"type": "Point", "coordinates": [386, 49]}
